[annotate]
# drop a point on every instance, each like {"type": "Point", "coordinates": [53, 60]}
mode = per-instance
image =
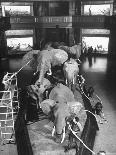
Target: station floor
{"type": "Point", "coordinates": [99, 72]}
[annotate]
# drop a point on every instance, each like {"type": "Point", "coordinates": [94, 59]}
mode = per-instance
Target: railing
{"type": "Point", "coordinates": [63, 21]}
{"type": "Point", "coordinates": [34, 19]}
{"type": "Point", "coordinates": [88, 21]}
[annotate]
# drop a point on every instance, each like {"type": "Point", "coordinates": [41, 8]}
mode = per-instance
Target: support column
{"type": "Point", "coordinates": [40, 34]}
{"type": "Point", "coordinates": [112, 43]}
{"type": "Point", "coordinates": [71, 37]}
{"type": "Point", "coordinates": [3, 41]}
{"type": "Point", "coordinates": [75, 33]}
{"type": "Point", "coordinates": [71, 31]}
{"type": "Point", "coordinates": [71, 8]}
{"type": "Point", "coordinates": [112, 37]}
{"type": "Point", "coordinates": [3, 45]}
{"type": "Point", "coordinates": [78, 7]}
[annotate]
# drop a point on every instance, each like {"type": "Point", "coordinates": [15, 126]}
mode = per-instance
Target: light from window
{"type": "Point", "coordinates": [100, 43]}
{"type": "Point", "coordinates": [20, 43]}
{"type": "Point", "coordinates": [16, 10]}
{"type": "Point", "coordinates": [104, 9]}
{"type": "Point", "coordinates": [18, 32]}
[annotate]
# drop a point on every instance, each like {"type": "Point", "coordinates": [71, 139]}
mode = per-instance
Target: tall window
{"type": "Point", "coordinates": [101, 9]}
{"type": "Point", "coordinates": [100, 43]}
{"type": "Point", "coordinates": [20, 43]}
{"type": "Point", "coordinates": [16, 9]}
{"type": "Point", "coordinates": [19, 40]}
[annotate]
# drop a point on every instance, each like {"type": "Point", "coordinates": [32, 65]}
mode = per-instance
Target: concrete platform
{"type": "Point", "coordinates": [42, 141]}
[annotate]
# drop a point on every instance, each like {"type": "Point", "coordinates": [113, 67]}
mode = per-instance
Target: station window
{"type": "Point", "coordinates": [16, 9]}
{"type": "Point", "coordinates": [101, 9]}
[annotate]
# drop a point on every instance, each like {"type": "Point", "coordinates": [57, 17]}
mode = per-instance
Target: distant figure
{"type": "Point", "coordinates": [85, 51]}
{"type": "Point", "coordinates": [90, 11]}
{"type": "Point", "coordinates": [95, 52]}
{"type": "Point", "coordinates": [90, 51]}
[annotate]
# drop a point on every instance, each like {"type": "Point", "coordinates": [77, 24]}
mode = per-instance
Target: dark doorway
{"type": "Point", "coordinates": [57, 35]}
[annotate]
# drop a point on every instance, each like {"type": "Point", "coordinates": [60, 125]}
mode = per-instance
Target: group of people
{"type": "Point", "coordinates": [90, 50]}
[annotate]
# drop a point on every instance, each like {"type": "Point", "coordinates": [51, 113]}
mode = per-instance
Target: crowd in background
{"type": "Point", "coordinates": [89, 50]}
